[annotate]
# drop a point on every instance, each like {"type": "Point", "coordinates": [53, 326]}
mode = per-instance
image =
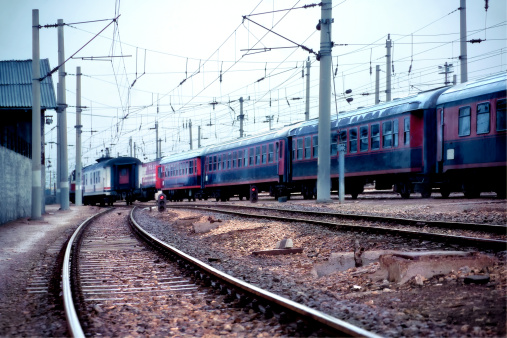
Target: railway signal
{"type": "Point", "coordinates": [254, 194]}
{"type": "Point", "coordinates": [161, 202]}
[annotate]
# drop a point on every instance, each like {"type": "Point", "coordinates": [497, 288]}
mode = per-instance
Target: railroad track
{"type": "Point", "coordinates": [121, 285]}
{"type": "Point", "coordinates": [476, 235]}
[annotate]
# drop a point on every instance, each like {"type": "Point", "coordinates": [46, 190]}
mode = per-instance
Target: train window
{"type": "Point", "coordinates": [375, 136]}
{"type": "Point", "coordinates": [214, 162]}
{"type": "Point", "coordinates": [186, 165]}
{"type": "Point", "coordinates": [353, 140]}
{"type": "Point", "coordinates": [277, 149]}
{"type": "Point", "coordinates": [363, 132]}
{"type": "Point", "coordinates": [464, 121]}
{"type": "Point", "coordinates": [229, 161]}
{"type": "Point", "coordinates": [334, 143]}
{"type": "Point", "coordinates": [315, 140]}
{"type": "Point", "coordinates": [300, 149]}
{"type": "Point", "coordinates": [343, 138]}
{"type": "Point", "coordinates": [257, 155]}
{"type": "Point", "coordinates": [210, 163]}
{"type": "Point", "coordinates": [191, 167]}
{"type": "Point", "coordinates": [264, 154]}
{"type": "Point", "coordinates": [395, 133]}
{"type": "Point", "coordinates": [501, 119]}
{"type": "Point", "coordinates": [387, 134]}
{"type": "Point", "coordinates": [224, 159]}
{"type": "Point", "coordinates": [483, 118]}
{"type": "Point", "coordinates": [245, 159]}
{"type": "Point", "coordinates": [240, 158]}
{"type": "Point", "coordinates": [293, 149]}
{"type": "Point", "coordinates": [219, 162]}
{"type": "Point", "coordinates": [308, 147]}
{"type": "Point", "coordinates": [251, 157]}
{"type": "Point", "coordinates": [271, 149]}
{"type": "Point", "coordinates": [234, 159]}
{"type": "Point", "coordinates": [406, 131]}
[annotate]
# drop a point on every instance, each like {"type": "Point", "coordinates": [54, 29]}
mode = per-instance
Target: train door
{"type": "Point", "coordinates": [440, 140]}
{"type": "Point", "coordinates": [124, 175]}
{"type": "Point", "coordinates": [280, 152]}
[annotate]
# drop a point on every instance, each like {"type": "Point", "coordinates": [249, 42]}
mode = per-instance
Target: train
{"type": "Point", "coordinates": [449, 139]}
{"type": "Point", "coordinates": [109, 180]}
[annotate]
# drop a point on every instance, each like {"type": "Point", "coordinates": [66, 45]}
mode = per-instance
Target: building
{"type": "Point", "coordinates": [16, 134]}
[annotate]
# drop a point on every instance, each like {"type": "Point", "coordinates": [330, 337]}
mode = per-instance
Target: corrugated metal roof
{"type": "Point", "coordinates": [16, 85]}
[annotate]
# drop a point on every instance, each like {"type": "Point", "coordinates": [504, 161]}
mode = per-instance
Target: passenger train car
{"type": "Point", "coordinates": [109, 180]}
{"type": "Point", "coordinates": [147, 180]}
{"type": "Point", "coordinates": [451, 138]}
{"type": "Point", "coordinates": [471, 125]}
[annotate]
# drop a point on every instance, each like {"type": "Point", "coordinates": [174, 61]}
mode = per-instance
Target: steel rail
{"type": "Point", "coordinates": [485, 243]}
{"type": "Point", "coordinates": [333, 323]}
{"type": "Point", "coordinates": [488, 228]}
{"type": "Point", "coordinates": [68, 303]}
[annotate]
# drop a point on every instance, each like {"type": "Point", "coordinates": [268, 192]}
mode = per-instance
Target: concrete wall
{"type": "Point", "coordinates": [15, 185]}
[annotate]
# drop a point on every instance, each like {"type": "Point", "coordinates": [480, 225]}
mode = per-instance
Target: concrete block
{"type": "Point", "coordinates": [285, 243]}
{"type": "Point", "coordinates": [206, 226]}
{"type": "Point", "coordinates": [341, 261]}
{"type": "Point", "coordinates": [401, 267]}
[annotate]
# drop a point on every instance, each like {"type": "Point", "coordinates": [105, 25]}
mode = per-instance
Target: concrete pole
{"type": "Point", "coordinates": [241, 117]}
{"type": "Point", "coordinates": [342, 148]}
{"type": "Point", "coordinates": [43, 164]}
{"type": "Point", "coordinates": [198, 137]}
{"type": "Point", "coordinates": [58, 144]}
{"type": "Point", "coordinates": [377, 84]}
{"type": "Point", "coordinates": [36, 146]}
{"type": "Point", "coordinates": [463, 40]}
{"type": "Point", "coordinates": [307, 111]}
{"type": "Point", "coordinates": [64, 175]}
{"type": "Point", "coordinates": [190, 131]}
{"type": "Point", "coordinates": [130, 146]}
{"type": "Point", "coordinates": [135, 154]}
{"type": "Point", "coordinates": [78, 194]}
{"type": "Point", "coordinates": [388, 68]}
{"type": "Point", "coordinates": [324, 134]}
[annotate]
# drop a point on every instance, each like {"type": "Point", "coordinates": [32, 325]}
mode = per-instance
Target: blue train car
{"type": "Point", "coordinates": [179, 176]}
{"type": "Point", "coordinates": [390, 144]}
{"type": "Point", "coordinates": [260, 161]}
{"type": "Point", "coordinates": [471, 129]}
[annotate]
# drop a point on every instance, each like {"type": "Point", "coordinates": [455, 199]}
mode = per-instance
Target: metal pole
{"type": "Point", "coordinates": [135, 154]}
{"type": "Point", "coordinates": [241, 117]}
{"type": "Point", "coordinates": [198, 136]}
{"type": "Point", "coordinates": [341, 171]}
{"type": "Point", "coordinates": [64, 183]}
{"type": "Point", "coordinates": [130, 146]}
{"type": "Point", "coordinates": [463, 40]}
{"type": "Point", "coordinates": [156, 140]}
{"type": "Point", "coordinates": [324, 152]}
{"type": "Point", "coordinates": [190, 130]}
{"type": "Point", "coordinates": [388, 68]}
{"type": "Point", "coordinates": [36, 146]}
{"type": "Point", "coordinates": [307, 111]}
{"type": "Point", "coordinates": [377, 84]}
{"type": "Point", "coordinates": [78, 197]}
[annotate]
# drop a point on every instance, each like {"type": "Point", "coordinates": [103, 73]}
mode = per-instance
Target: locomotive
{"type": "Point", "coordinates": [109, 180]}
{"type": "Point", "coordinates": [450, 138]}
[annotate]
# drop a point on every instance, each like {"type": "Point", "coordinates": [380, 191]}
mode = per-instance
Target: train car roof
{"type": "Point", "coordinates": [476, 88]}
{"type": "Point", "coordinates": [107, 162]}
{"type": "Point", "coordinates": [187, 155]}
{"type": "Point", "coordinates": [249, 140]}
{"type": "Point", "coordinates": [419, 101]}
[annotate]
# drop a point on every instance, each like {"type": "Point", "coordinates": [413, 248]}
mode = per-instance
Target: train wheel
{"type": "Point", "coordinates": [354, 195]}
{"type": "Point", "coordinates": [445, 192]}
{"type": "Point", "coordinates": [470, 190]}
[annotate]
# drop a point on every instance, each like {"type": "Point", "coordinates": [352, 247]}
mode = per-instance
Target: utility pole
{"type": "Point", "coordinates": [377, 84]}
{"type": "Point", "coordinates": [463, 40]}
{"type": "Point", "coordinates": [388, 68]}
{"type": "Point", "coordinates": [156, 139]}
{"type": "Point", "coordinates": [36, 134]}
{"type": "Point", "coordinates": [78, 196]}
{"type": "Point", "coordinates": [62, 106]}
{"type": "Point", "coordinates": [324, 133]}
{"type": "Point", "coordinates": [198, 137]}
{"type": "Point", "coordinates": [190, 130]}
{"type": "Point", "coordinates": [130, 146]}
{"type": "Point", "coordinates": [58, 146]}
{"type": "Point", "coordinates": [241, 117]}
{"type": "Point", "coordinates": [307, 111]}
{"type": "Point", "coordinates": [447, 70]}
{"type": "Point", "coordinates": [269, 118]}
{"type": "Point", "coordinates": [135, 154]}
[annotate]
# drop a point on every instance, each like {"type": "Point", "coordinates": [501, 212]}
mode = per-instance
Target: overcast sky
{"type": "Point", "coordinates": [174, 52]}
